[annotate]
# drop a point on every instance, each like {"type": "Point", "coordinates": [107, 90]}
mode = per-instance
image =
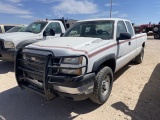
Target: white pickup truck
{"type": "Point", "coordinates": [36, 31]}
{"type": "Point", "coordinates": [81, 63]}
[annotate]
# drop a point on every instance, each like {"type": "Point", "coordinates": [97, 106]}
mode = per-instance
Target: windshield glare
{"type": "Point", "coordinates": [95, 29]}
{"type": "Point", "coordinates": [35, 27]}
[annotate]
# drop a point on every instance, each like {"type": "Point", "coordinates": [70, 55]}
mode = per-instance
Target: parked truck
{"type": "Point", "coordinates": [36, 31]}
{"type": "Point", "coordinates": [80, 64]}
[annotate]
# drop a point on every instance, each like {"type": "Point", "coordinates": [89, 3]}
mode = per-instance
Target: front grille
{"type": "Point", "coordinates": [33, 66]}
{"type": "Point", "coordinates": [36, 63]}
{"type": "Point", "coordinates": [34, 58]}
{"type": "Point", "coordinates": [33, 62]}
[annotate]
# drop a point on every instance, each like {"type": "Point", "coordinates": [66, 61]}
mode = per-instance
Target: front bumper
{"type": "Point", "coordinates": [82, 85]}
{"type": "Point", "coordinates": [7, 55]}
{"type": "Point", "coordinates": [49, 84]}
{"type": "Point", "coordinates": [77, 90]}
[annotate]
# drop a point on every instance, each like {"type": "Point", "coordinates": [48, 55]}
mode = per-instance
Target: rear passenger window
{"type": "Point", "coordinates": [0, 29]}
{"type": "Point", "coordinates": [121, 28]}
{"type": "Point", "coordinates": [6, 28]}
{"type": "Point", "coordinates": [130, 29]}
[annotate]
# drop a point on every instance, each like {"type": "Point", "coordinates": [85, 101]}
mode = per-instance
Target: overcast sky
{"type": "Point", "coordinates": [26, 11]}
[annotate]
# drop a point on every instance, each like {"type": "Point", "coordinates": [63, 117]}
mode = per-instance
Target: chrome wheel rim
{"type": "Point", "coordinates": [105, 85]}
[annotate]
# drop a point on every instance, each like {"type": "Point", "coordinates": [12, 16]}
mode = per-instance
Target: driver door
{"type": "Point", "coordinates": [123, 47]}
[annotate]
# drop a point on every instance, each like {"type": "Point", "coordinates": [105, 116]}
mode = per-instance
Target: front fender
{"type": "Point", "coordinates": [25, 43]}
{"type": "Point", "coordinates": [102, 60]}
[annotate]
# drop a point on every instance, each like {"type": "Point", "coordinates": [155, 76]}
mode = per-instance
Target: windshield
{"type": "Point", "coordinates": [35, 27]}
{"type": "Point", "coordinates": [7, 28]}
{"type": "Point", "coordinates": [95, 29]}
{"type": "Point", "coordinates": [14, 29]}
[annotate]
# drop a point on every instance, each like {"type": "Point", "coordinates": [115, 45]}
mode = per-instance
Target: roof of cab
{"type": "Point", "coordinates": [98, 19]}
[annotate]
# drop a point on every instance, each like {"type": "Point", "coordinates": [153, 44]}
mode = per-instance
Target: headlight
{"type": "Point", "coordinates": [9, 44]}
{"type": "Point", "coordinates": [71, 71]}
{"type": "Point", "coordinates": [73, 60]}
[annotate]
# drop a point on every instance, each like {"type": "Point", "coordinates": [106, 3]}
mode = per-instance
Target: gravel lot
{"type": "Point", "coordinates": [135, 95]}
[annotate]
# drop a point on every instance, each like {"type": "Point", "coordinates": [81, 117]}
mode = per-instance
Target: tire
{"type": "Point", "coordinates": [156, 36]}
{"type": "Point", "coordinates": [139, 58]}
{"type": "Point", "coordinates": [155, 29]}
{"type": "Point", "coordinates": [102, 85]}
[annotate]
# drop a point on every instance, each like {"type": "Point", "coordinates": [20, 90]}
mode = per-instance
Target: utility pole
{"type": "Point", "coordinates": [111, 9]}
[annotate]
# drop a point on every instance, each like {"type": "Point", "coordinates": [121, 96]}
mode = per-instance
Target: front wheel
{"type": "Point", "coordinates": [102, 85]}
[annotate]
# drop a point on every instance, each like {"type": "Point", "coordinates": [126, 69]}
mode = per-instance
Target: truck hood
{"type": "Point", "coordinates": [16, 37]}
{"type": "Point", "coordinates": [70, 45]}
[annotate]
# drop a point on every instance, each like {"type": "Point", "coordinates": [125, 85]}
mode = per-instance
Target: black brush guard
{"type": "Point", "coordinates": [44, 87]}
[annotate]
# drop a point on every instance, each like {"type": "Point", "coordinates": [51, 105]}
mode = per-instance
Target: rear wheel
{"type": "Point", "coordinates": [102, 86]}
{"type": "Point", "coordinates": [139, 58]}
{"type": "Point", "coordinates": [156, 36]}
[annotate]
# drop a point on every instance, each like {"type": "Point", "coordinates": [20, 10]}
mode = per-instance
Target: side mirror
{"type": "Point", "coordinates": [61, 34]}
{"type": "Point", "coordinates": [52, 32]}
{"type": "Point", "coordinates": [124, 36]}
{"type": "Point", "coordinates": [44, 34]}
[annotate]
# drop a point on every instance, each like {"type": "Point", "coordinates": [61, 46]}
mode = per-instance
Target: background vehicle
{"type": "Point", "coordinates": [150, 29]}
{"type": "Point", "coordinates": [156, 31]}
{"type": "Point", "coordinates": [16, 29]}
{"type": "Point", "coordinates": [5, 28]}
{"type": "Point", "coordinates": [36, 31]}
{"type": "Point", "coordinates": [80, 64]}
{"type": "Point", "coordinates": [144, 28]}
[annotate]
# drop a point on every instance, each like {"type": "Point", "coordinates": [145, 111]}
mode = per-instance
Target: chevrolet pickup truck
{"type": "Point", "coordinates": [36, 31]}
{"type": "Point", "coordinates": [80, 64]}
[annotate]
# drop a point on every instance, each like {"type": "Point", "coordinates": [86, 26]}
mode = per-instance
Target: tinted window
{"type": "Point", "coordinates": [129, 26]}
{"type": "Point", "coordinates": [95, 29]}
{"type": "Point", "coordinates": [14, 29]}
{"type": "Point", "coordinates": [0, 29]}
{"type": "Point", "coordinates": [35, 27]}
{"type": "Point", "coordinates": [121, 28]}
{"type": "Point", "coordinates": [55, 26]}
{"type": "Point", "coordinates": [6, 28]}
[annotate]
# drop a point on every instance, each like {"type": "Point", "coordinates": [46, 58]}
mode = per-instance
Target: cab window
{"type": "Point", "coordinates": [121, 28]}
{"type": "Point", "coordinates": [55, 26]}
{"type": "Point", "coordinates": [130, 29]}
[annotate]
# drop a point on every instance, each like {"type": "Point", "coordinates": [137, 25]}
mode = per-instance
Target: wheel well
{"type": "Point", "coordinates": [110, 63]}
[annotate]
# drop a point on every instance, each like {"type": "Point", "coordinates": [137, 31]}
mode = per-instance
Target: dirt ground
{"type": "Point", "coordinates": [135, 95]}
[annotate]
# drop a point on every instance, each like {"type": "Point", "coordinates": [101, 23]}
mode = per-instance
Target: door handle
{"type": "Point", "coordinates": [129, 43]}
